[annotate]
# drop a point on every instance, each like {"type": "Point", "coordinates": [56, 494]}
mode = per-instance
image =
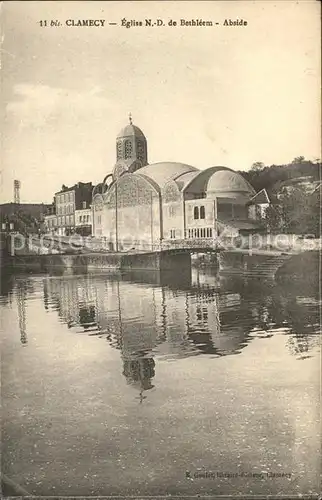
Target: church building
{"type": "Point", "coordinates": [140, 205]}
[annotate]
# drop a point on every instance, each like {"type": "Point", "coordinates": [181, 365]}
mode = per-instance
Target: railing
{"type": "Point", "coordinates": [202, 243]}
{"type": "Point", "coordinates": [17, 243]}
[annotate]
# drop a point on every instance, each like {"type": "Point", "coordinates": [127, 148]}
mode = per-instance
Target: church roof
{"type": "Point", "coordinates": [227, 180]}
{"type": "Point", "coordinates": [198, 183]}
{"type": "Point", "coordinates": [260, 198]}
{"type": "Point", "coordinates": [130, 130]}
{"type": "Point", "coordinates": [184, 179]}
{"type": "Point", "coordinates": [162, 172]}
{"type": "Point", "coordinates": [240, 224]}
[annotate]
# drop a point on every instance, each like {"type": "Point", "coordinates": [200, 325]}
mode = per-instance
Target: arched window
{"type": "Point", "coordinates": [196, 213]}
{"type": "Point", "coordinates": [202, 212]}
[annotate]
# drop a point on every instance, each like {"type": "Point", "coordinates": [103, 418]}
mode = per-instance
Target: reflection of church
{"type": "Point", "coordinates": [142, 204]}
{"type": "Point", "coordinates": [139, 373]}
{"type": "Point", "coordinates": [141, 321]}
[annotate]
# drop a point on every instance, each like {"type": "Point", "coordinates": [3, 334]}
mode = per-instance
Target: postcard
{"type": "Point", "coordinates": [160, 249]}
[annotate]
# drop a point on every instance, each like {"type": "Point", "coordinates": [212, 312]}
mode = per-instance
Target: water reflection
{"type": "Point", "coordinates": [139, 373]}
{"type": "Point", "coordinates": [208, 364]}
{"type": "Point", "coordinates": [24, 289]}
{"type": "Point", "coordinates": [6, 284]}
{"type": "Point", "coordinates": [21, 302]}
{"type": "Point", "coordinates": [203, 314]}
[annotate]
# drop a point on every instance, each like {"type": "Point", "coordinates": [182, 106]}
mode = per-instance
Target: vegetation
{"type": "Point", "coordinates": [296, 213]}
{"type": "Point", "coordinates": [23, 222]}
{"type": "Point", "coordinates": [294, 210]}
{"type": "Point", "coordinates": [269, 177]}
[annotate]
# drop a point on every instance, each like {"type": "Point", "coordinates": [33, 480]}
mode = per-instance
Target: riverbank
{"type": "Point", "coordinates": [285, 267]}
{"type": "Point", "coordinates": [81, 262]}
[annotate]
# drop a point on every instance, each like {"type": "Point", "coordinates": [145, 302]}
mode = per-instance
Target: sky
{"type": "Point", "coordinates": [205, 96]}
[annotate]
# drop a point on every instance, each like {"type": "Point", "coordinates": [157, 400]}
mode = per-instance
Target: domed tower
{"type": "Point", "coordinates": [131, 150]}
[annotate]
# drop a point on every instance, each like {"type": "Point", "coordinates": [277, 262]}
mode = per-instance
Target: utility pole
{"type": "Point", "coordinates": [16, 191]}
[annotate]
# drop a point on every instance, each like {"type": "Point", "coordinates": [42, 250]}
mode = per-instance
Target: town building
{"type": "Point", "coordinates": [144, 204]}
{"type": "Point", "coordinates": [62, 219]}
{"type": "Point", "coordinates": [50, 223]}
{"type": "Point", "coordinates": [83, 221]}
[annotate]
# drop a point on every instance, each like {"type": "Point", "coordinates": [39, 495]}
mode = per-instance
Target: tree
{"type": "Point", "coordinates": [299, 213]}
{"type": "Point", "coordinates": [257, 166]}
{"type": "Point", "coordinates": [298, 159]}
{"type": "Point", "coordinates": [274, 218]}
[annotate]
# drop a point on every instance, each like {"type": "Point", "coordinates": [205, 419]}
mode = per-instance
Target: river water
{"type": "Point", "coordinates": [132, 385]}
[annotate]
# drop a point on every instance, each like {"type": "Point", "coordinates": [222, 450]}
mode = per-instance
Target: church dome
{"type": "Point", "coordinates": [130, 130]}
{"type": "Point", "coordinates": [131, 150]}
{"type": "Point", "coordinates": [162, 172]}
{"type": "Point", "coordinates": [228, 181]}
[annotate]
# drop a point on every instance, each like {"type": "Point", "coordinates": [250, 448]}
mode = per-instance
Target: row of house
{"type": "Point", "coordinates": [71, 211]}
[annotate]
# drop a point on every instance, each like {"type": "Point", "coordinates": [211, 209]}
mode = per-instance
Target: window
{"type": "Point", "coordinates": [172, 233]}
{"type": "Point", "coordinates": [196, 213]}
{"type": "Point", "coordinates": [88, 218]}
{"type": "Point", "coordinates": [225, 209]}
{"type": "Point", "coordinates": [140, 150]}
{"type": "Point", "coordinates": [80, 218]}
{"type": "Point", "coordinates": [119, 150]}
{"type": "Point", "coordinates": [202, 212]}
{"type": "Point", "coordinates": [84, 204]}
{"type": "Point", "coordinates": [99, 219]}
{"type": "Point", "coordinates": [128, 149]}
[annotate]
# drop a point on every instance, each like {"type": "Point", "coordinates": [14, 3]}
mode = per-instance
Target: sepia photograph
{"type": "Point", "coordinates": [160, 253]}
